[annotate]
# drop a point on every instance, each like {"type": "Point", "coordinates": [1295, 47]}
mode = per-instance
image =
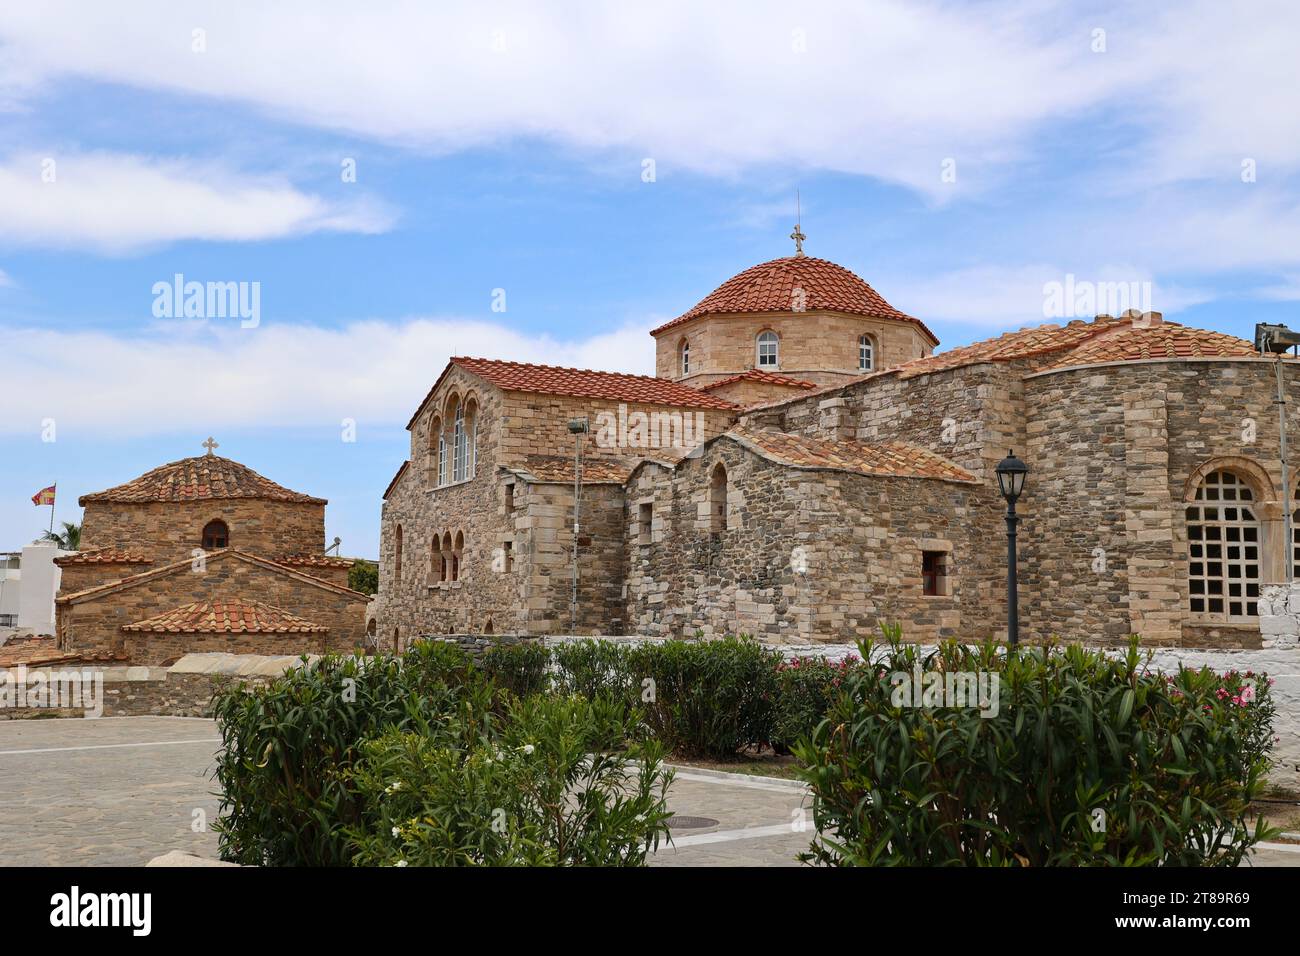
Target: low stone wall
{"type": "Point", "coordinates": [183, 690]}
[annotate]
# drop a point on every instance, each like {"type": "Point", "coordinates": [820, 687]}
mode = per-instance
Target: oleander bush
{"type": "Point", "coordinates": [595, 669]}
{"type": "Point", "coordinates": [553, 786]}
{"type": "Point", "coordinates": [286, 746]}
{"type": "Point", "coordinates": [521, 669]}
{"type": "Point", "coordinates": [1082, 758]}
{"type": "Point", "coordinates": [707, 698]}
{"type": "Point", "coordinates": [805, 689]}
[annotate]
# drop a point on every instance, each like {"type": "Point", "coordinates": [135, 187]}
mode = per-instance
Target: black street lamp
{"type": "Point", "coordinates": [1011, 472]}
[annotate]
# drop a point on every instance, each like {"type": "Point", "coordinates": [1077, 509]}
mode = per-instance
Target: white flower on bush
{"type": "Point", "coordinates": [528, 750]}
{"type": "Point", "coordinates": [397, 831]}
{"type": "Point", "coordinates": [400, 863]}
{"type": "Point", "coordinates": [393, 787]}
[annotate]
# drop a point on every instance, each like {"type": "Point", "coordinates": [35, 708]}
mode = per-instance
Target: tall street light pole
{"type": "Point", "coordinates": [1011, 472]}
{"type": "Point", "coordinates": [577, 428]}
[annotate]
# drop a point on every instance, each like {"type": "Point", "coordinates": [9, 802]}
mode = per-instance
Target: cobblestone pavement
{"type": "Point", "coordinates": [123, 790]}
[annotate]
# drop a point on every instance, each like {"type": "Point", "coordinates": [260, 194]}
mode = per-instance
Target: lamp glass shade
{"type": "Point", "coordinates": [1011, 472]}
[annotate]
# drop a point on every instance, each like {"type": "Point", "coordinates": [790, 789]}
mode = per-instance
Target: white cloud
{"type": "Point", "coordinates": [200, 375]}
{"type": "Point", "coordinates": [1014, 296]}
{"type": "Point", "coordinates": [114, 202]}
{"type": "Point", "coordinates": [889, 88]}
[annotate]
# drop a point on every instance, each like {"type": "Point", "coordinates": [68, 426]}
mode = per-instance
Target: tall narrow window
{"type": "Point", "coordinates": [215, 535]}
{"type": "Point", "coordinates": [448, 568]}
{"type": "Point", "coordinates": [718, 499]}
{"type": "Point", "coordinates": [768, 350]}
{"type": "Point", "coordinates": [1295, 538]}
{"type": "Point", "coordinates": [507, 556]}
{"type": "Point", "coordinates": [1223, 540]}
{"type": "Point", "coordinates": [866, 354]}
{"type": "Point", "coordinates": [436, 450]}
{"type": "Point", "coordinates": [686, 358]}
{"type": "Point", "coordinates": [458, 443]}
{"type": "Point", "coordinates": [645, 524]}
{"type": "Point", "coordinates": [397, 555]}
{"type": "Point", "coordinates": [456, 554]}
{"type": "Point", "coordinates": [471, 439]}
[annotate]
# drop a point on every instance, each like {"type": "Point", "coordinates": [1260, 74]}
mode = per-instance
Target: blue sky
{"type": "Point", "coordinates": [957, 156]}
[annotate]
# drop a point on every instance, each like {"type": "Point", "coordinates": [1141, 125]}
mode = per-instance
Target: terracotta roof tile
{"type": "Point", "coordinates": [559, 468]}
{"type": "Point", "coordinates": [584, 383]}
{"type": "Point", "coordinates": [202, 478]}
{"type": "Point", "coordinates": [103, 556]}
{"type": "Point", "coordinates": [33, 651]}
{"type": "Point", "coordinates": [315, 561]}
{"type": "Point", "coordinates": [762, 376]}
{"type": "Point", "coordinates": [770, 287]}
{"type": "Point", "coordinates": [886, 459]}
{"type": "Point", "coordinates": [226, 616]}
{"type": "Point", "coordinates": [1166, 340]}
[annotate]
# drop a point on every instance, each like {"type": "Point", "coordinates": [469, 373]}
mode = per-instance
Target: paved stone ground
{"type": "Point", "coordinates": [123, 790]}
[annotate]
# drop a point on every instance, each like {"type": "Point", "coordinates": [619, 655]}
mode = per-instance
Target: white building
{"type": "Point", "coordinates": [29, 580]}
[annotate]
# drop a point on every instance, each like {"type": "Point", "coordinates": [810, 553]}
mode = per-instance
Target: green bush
{"type": "Point", "coordinates": [552, 788]}
{"type": "Point", "coordinates": [595, 669]}
{"type": "Point", "coordinates": [1088, 760]}
{"type": "Point", "coordinates": [805, 689]}
{"type": "Point", "coordinates": [520, 669]}
{"type": "Point", "coordinates": [286, 746]}
{"type": "Point", "coordinates": [707, 698]}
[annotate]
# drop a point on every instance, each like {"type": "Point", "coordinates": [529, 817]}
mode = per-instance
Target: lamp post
{"type": "Point", "coordinates": [1011, 472]}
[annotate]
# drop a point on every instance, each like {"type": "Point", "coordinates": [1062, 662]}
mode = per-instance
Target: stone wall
{"type": "Point", "coordinates": [92, 625]}
{"type": "Point", "coordinates": [807, 555]}
{"type": "Point", "coordinates": [167, 531]}
{"type": "Point", "coordinates": [820, 347]}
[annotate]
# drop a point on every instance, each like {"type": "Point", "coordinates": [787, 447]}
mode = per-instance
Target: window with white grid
{"type": "Point", "coordinates": [768, 346]}
{"type": "Point", "coordinates": [1223, 541]}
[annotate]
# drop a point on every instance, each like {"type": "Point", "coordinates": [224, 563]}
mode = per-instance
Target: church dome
{"type": "Point", "coordinates": [202, 478]}
{"type": "Point", "coordinates": [771, 287]}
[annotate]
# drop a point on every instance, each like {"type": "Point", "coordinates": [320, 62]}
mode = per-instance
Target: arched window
{"type": "Point", "coordinates": [866, 354]}
{"type": "Point", "coordinates": [397, 555]}
{"type": "Point", "coordinates": [1223, 540]}
{"type": "Point", "coordinates": [458, 443]}
{"type": "Point", "coordinates": [456, 553]}
{"type": "Point", "coordinates": [686, 357]}
{"type": "Point", "coordinates": [471, 438]}
{"type": "Point", "coordinates": [768, 350]}
{"type": "Point", "coordinates": [448, 569]}
{"type": "Point", "coordinates": [718, 498]}
{"type": "Point", "coordinates": [215, 535]}
{"type": "Point", "coordinates": [436, 451]}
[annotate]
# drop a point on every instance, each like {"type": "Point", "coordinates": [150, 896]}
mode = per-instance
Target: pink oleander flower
{"type": "Point", "coordinates": [1248, 693]}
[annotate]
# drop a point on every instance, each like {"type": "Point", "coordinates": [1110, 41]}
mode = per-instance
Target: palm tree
{"type": "Point", "coordinates": [69, 539]}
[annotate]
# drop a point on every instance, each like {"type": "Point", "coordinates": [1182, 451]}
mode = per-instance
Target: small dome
{"type": "Point", "coordinates": [770, 287]}
{"type": "Point", "coordinates": [202, 478]}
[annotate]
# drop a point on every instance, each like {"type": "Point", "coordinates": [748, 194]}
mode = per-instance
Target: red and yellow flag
{"type": "Point", "coordinates": [44, 497]}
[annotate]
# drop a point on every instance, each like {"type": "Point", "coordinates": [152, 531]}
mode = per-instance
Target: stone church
{"type": "Point", "coordinates": [804, 465]}
{"type": "Point", "coordinates": [203, 554]}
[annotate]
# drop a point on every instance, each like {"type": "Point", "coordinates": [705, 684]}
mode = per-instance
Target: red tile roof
{"type": "Point", "coordinates": [761, 376]}
{"type": "Point", "coordinates": [203, 478]}
{"type": "Point", "coordinates": [315, 561]}
{"type": "Point", "coordinates": [33, 651]}
{"type": "Point", "coordinates": [584, 383]}
{"type": "Point", "coordinates": [103, 556]}
{"type": "Point", "coordinates": [227, 616]}
{"type": "Point", "coordinates": [1166, 340]}
{"type": "Point", "coordinates": [559, 468]}
{"type": "Point", "coordinates": [770, 287]}
{"type": "Point", "coordinates": [886, 459]}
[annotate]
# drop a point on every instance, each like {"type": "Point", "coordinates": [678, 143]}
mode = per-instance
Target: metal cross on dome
{"type": "Point", "coordinates": [209, 445]}
{"type": "Point", "coordinates": [798, 238]}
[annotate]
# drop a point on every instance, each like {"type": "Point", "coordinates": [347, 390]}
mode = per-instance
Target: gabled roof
{"type": "Point", "coordinates": [549, 469]}
{"type": "Point", "coordinates": [890, 459]}
{"type": "Point", "coordinates": [397, 477]}
{"type": "Point", "coordinates": [761, 376]}
{"type": "Point", "coordinates": [33, 652]}
{"type": "Point", "coordinates": [315, 561]}
{"type": "Point", "coordinates": [202, 478]}
{"type": "Point", "coordinates": [103, 556]}
{"type": "Point", "coordinates": [234, 615]}
{"type": "Point", "coordinates": [577, 383]}
{"type": "Point", "coordinates": [185, 565]}
{"type": "Point", "coordinates": [771, 287]}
